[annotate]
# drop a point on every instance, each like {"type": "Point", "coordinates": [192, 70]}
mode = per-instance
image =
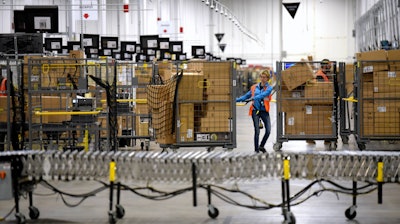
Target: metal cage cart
{"type": "Point", "coordinates": [12, 116]}
{"type": "Point", "coordinates": [194, 107]}
{"type": "Point", "coordinates": [133, 112]}
{"type": "Point", "coordinates": [64, 104]}
{"type": "Point", "coordinates": [346, 100]}
{"type": "Point", "coordinates": [307, 109]}
{"type": "Point", "coordinates": [378, 98]}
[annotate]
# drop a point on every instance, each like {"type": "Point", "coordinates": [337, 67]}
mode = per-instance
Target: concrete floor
{"type": "Point", "coordinates": [327, 207]}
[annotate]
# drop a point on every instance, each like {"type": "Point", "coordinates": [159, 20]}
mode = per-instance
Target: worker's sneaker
{"type": "Point", "coordinates": [310, 141]}
{"type": "Point", "coordinates": [262, 149]}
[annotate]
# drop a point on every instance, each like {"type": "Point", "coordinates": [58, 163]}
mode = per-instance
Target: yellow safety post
{"type": "Point", "coordinates": [288, 215]}
{"type": "Point", "coordinates": [379, 179]}
{"type": "Point", "coordinates": [86, 141]}
{"type": "Point", "coordinates": [112, 170]}
{"type": "Point", "coordinates": [286, 169]}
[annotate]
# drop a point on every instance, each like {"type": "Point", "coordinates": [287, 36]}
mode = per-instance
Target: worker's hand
{"type": "Point", "coordinates": [249, 100]}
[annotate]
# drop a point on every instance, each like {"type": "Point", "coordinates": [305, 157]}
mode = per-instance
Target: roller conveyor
{"type": "Point", "coordinates": [211, 167]}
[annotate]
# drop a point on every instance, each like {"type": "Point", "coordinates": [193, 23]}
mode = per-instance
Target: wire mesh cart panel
{"type": "Point", "coordinates": [195, 107]}
{"type": "Point", "coordinates": [63, 104]}
{"type": "Point", "coordinates": [378, 97]}
{"type": "Point", "coordinates": [306, 107]}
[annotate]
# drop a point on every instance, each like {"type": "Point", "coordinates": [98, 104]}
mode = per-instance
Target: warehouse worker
{"type": "Point", "coordinates": [260, 95]}
{"type": "Point", "coordinates": [324, 70]}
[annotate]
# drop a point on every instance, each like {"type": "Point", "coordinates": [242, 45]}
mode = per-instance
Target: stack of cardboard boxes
{"type": "Point", "coordinates": [306, 103]}
{"type": "Point", "coordinates": [379, 92]}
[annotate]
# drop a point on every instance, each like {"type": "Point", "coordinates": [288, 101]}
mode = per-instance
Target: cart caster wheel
{"type": "Point", "coordinates": [361, 146]}
{"type": "Point", "coordinates": [350, 213]}
{"type": "Point", "coordinates": [210, 149]}
{"type": "Point", "coordinates": [292, 219]}
{"type": "Point", "coordinates": [277, 146]}
{"type": "Point", "coordinates": [20, 218]}
{"type": "Point", "coordinates": [120, 211]}
{"type": "Point", "coordinates": [213, 212]}
{"type": "Point", "coordinates": [112, 219]}
{"type": "Point", "coordinates": [34, 212]}
{"type": "Point", "coordinates": [289, 218]}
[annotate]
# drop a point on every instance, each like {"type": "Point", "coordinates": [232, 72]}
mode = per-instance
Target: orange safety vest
{"type": "Point", "coordinates": [323, 75]}
{"type": "Point", "coordinates": [3, 87]}
{"type": "Point", "coordinates": [266, 99]}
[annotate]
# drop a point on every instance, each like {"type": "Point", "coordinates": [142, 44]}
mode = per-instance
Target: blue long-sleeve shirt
{"type": "Point", "coordinates": [259, 94]}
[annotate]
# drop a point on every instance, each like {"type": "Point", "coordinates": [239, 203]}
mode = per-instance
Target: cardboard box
{"type": "Point", "coordinates": [319, 92]}
{"type": "Point", "coordinates": [387, 123]}
{"type": "Point", "coordinates": [349, 77]}
{"type": "Point", "coordinates": [219, 97]}
{"type": "Point", "coordinates": [294, 123]}
{"type": "Point", "coordinates": [4, 109]}
{"type": "Point", "coordinates": [214, 106]}
{"type": "Point", "coordinates": [367, 90]}
{"type": "Point", "coordinates": [141, 126]}
{"type": "Point", "coordinates": [393, 55]}
{"type": "Point", "coordinates": [367, 106]}
{"type": "Point", "coordinates": [218, 86]}
{"type": "Point", "coordinates": [166, 70]}
{"type": "Point", "coordinates": [166, 139]}
{"type": "Point", "coordinates": [191, 87]}
{"type": "Point", "coordinates": [217, 70]}
{"type": "Point", "coordinates": [379, 55]}
{"type": "Point", "coordinates": [318, 120]}
{"type": "Point", "coordinates": [367, 126]}
{"type": "Point", "coordinates": [375, 67]}
{"type": "Point", "coordinates": [297, 75]}
{"type": "Point", "coordinates": [210, 124]}
{"type": "Point", "coordinates": [386, 82]}
{"type": "Point", "coordinates": [186, 122]}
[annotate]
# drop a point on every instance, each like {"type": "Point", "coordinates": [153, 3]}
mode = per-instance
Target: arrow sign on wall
{"type": "Point", "coordinates": [219, 36]}
{"type": "Point", "coordinates": [222, 47]}
{"type": "Point", "coordinates": [292, 8]}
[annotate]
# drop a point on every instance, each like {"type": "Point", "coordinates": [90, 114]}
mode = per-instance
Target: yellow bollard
{"type": "Point", "coordinates": [286, 169]}
{"type": "Point", "coordinates": [112, 171]}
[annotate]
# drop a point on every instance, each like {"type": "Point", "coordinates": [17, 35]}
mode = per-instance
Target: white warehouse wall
{"type": "Point", "coordinates": [321, 28]}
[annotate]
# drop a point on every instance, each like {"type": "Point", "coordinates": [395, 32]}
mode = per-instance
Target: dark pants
{"type": "Point", "coordinates": [267, 126]}
{"type": "Point", "coordinates": [2, 140]}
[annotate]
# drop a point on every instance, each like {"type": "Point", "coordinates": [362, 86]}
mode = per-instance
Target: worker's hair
{"type": "Point", "coordinates": [325, 62]}
{"type": "Point", "coordinates": [266, 72]}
